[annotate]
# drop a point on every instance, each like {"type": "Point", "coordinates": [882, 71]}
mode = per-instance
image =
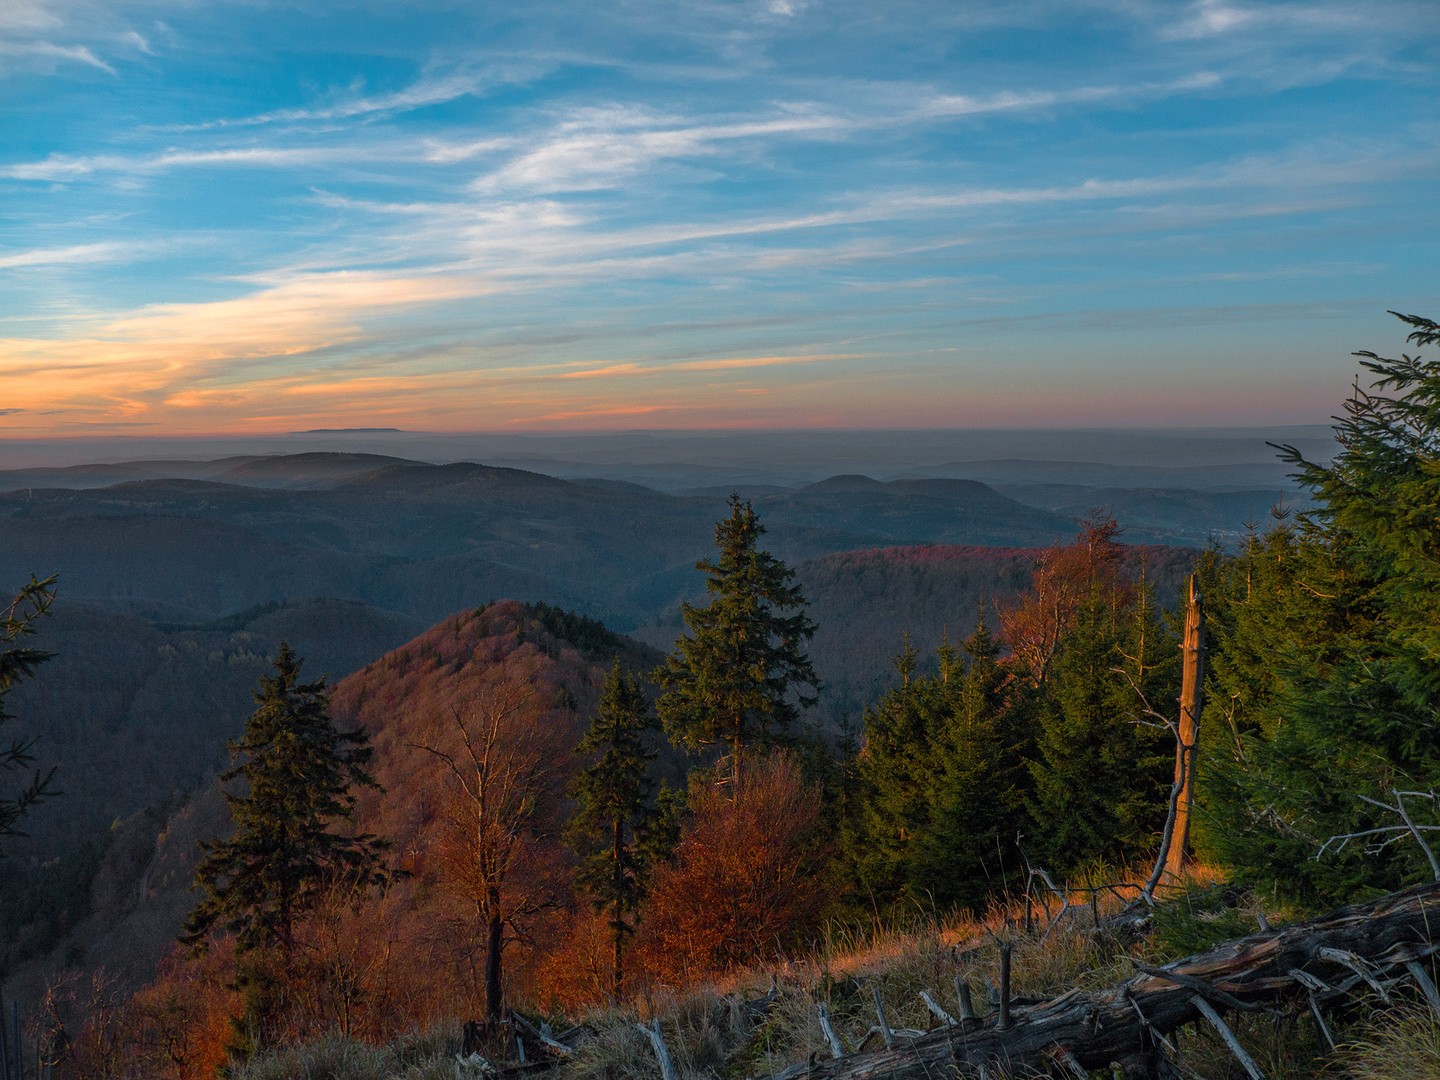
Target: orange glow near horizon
{"type": "Point", "coordinates": [319, 351]}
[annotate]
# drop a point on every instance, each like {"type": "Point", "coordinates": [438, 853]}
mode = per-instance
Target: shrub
{"type": "Point", "coordinates": [747, 879]}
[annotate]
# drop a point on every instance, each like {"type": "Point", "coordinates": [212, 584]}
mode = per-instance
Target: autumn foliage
{"type": "Point", "coordinates": [1034, 623]}
{"type": "Point", "coordinates": [747, 879]}
{"type": "Point", "coordinates": [475, 727]}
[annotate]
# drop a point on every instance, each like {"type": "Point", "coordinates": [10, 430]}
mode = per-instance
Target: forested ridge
{"type": "Point", "coordinates": [568, 820]}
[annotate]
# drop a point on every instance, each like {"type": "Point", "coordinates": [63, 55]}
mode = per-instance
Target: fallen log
{"type": "Point", "coordinates": [1308, 964]}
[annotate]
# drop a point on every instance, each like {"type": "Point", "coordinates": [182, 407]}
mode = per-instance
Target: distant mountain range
{"type": "Point", "coordinates": [427, 540]}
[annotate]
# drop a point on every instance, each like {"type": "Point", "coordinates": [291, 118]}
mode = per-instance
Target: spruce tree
{"type": "Point", "coordinates": [299, 772]}
{"type": "Point", "coordinates": [736, 678]}
{"type": "Point", "coordinates": [610, 824]}
{"type": "Point", "coordinates": [975, 791]}
{"type": "Point", "coordinates": [939, 791]}
{"type": "Point", "coordinates": [890, 809]}
{"type": "Point", "coordinates": [19, 662]}
{"type": "Point", "coordinates": [1339, 704]}
{"type": "Point", "coordinates": [1101, 775]}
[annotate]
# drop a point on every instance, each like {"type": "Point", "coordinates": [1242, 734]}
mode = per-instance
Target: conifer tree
{"type": "Point", "coordinates": [610, 823]}
{"type": "Point", "coordinates": [941, 778]}
{"type": "Point", "coordinates": [1332, 659]}
{"type": "Point", "coordinates": [976, 789]}
{"type": "Point", "coordinates": [890, 808]}
{"type": "Point", "coordinates": [299, 772]}
{"type": "Point", "coordinates": [1101, 774]}
{"type": "Point", "coordinates": [19, 662]}
{"type": "Point", "coordinates": [736, 678]}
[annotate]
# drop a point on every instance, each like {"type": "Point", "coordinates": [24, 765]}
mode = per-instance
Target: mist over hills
{"type": "Point", "coordinates": [428, 540]}
{"type": "Point", "coordinates": [676, 460]}
{"type": "Point", "coordinates": [1158, 483]}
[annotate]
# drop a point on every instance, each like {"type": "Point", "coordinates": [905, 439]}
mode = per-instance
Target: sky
{"type": "Point", "coordinates": [250, 218]}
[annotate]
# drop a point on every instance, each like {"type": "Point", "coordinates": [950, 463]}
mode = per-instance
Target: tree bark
{"type": "Point", "coordinates": [618, 929]}
{"type": "Point", "coordinates": [1322, 961]}
{"type": "Point", "coordinates": [1192, 689]}
{"type": "Point", "coordinates": [494, 941]}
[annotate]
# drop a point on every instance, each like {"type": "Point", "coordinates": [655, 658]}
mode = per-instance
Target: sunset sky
{"type": "Point", "coordinates": [253, 218]}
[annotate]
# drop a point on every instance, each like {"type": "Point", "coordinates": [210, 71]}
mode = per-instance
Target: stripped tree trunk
{"type": "Point", "coordinates": [1305, 966]}
{"type": "Point", "coordinates": [1192, 689]}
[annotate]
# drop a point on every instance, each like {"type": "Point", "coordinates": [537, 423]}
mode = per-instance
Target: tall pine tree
{"type": "Point", "coordinates": [609, 827]}
{"type": "Point", "coordinates": [19, 662]}
{"type": "Point", "coordinates": [1101, 773]}
{"type": "Point", "coordinates": [939, 790]}
{"type": "Point", "coordinates": [1332, 660]}
{"type": "Point", "coordinates": [737, 677]}
{"type": "Point", "coordinates": [975, 791]}
{"type": "Point", "coordinates": [299, 772]}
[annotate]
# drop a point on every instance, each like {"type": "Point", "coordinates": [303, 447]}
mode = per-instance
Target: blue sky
{"type": "Point", "coordinates": [249, 217]}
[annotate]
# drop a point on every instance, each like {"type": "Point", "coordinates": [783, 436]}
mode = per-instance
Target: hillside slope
{"type": "Point", "coordinates": [134, 713]}
{"type": "Point", "coordinates": [139, 892]}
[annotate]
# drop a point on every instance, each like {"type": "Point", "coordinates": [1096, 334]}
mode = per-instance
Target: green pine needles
{"type": "Point", "coordinates": [1100, 767]}
{"type": "Point", "coordinates": [612, 820]}
{"type": "Point", "coordinates": [19, 662]}
{"type": "Point", "coordinates": [1329, 658]}
{"type": "Point", "coordinates": [736, 678]}
{"type": "Point", "coordinates": [299, 772]}
{"type": "Point", "coordinates": [938, 794]}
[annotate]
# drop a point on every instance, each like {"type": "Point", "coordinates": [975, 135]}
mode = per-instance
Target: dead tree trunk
{"type": "Point", "coordinates": [494, 943]}
{"type": "Point", "coordinates": [1192, 688]}
{"type": "Point", "coordinates": [1307, 965]}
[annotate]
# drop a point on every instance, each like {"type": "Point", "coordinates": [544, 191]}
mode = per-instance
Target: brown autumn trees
{"type": "Point", "coordinates": [503, 762]}
{"type": "Point", "coordinates": [1033, 624]}
{"type": "Point", "coordinates": [748, 876]}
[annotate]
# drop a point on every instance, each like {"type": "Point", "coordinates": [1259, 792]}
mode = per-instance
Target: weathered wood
{"type": "Point", "coordinates": [962, 995]}
{"type": "Point", "coordinates": [1003, 1023]}
{"type": "Point", "coordinates": [1123, 1024]}
{"type": "Point", "coordinates": [1187, 742]}
{"type": "Point", "coordinates": [885, 1032]}
{"type": "Point", "coordinates": [837, 1049]}
{"type": "Point", "coordinates": [662, 1054]}
{"type": "Point", "coordinates": [931, 1004]}
{"type": "Point", "coordinates": [1217, 1022]}
{"type": "Point", "coordinates": [1427, 987]}
{"type": "Point", "coordinates": [546, 1040]}
{"type": "Point", "coordinates": [1320, 1022]}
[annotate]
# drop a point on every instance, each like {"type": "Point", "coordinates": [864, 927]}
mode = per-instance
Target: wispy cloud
{"type": "Point", "coordinates": [62, 167]}
{"type": "Point", "coordinates": [738, 363]}
{"type": "Point", "coordinates": [1212, 18]}
{"type": "Point", "coordinates": [74, 255]}
{"type": "Point", "coordinates": [79, 54]}
{"type": "Point", "coordinates": [692, 213]}
{"type": "Point", "coordinates": [354, 102]}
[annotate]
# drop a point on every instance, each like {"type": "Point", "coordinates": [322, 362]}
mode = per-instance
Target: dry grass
{"type": "Point", "coordinates": [1402, 1043]}
{"type": "Point", "coordinates": [426, 1056]}
{"type": "Point", "coordinates": [710, 1035]}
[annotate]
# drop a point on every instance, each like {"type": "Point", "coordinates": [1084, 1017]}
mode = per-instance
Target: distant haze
{"type": "Point", "coordinates": [1198, 458]}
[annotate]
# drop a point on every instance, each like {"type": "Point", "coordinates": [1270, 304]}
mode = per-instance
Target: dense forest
{"type": "Point", "coordinates": [521, 810]}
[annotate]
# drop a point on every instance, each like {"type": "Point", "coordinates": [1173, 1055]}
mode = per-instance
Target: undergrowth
{"type": "Point", "coordinates": [711, 1035]}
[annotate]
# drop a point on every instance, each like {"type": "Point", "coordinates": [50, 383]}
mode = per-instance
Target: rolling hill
{"type": "Point", "coordinates": [138, 889]}
{"type": "Point", "coordinates": [427, 540]}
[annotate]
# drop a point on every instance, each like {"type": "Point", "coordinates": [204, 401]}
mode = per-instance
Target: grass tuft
{"type": "Point", "coordinates": [1402, 1043]}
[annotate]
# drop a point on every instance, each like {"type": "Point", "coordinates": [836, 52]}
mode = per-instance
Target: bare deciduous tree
{"type": "Point", "coordinates": [502, 763]}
